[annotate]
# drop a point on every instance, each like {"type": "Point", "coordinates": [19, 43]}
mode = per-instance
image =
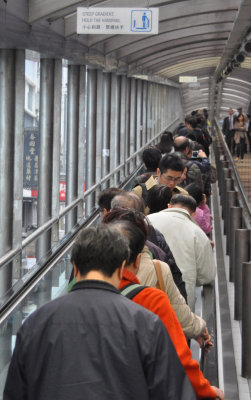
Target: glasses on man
{"type": "Point", "coordinates": [171, 179]}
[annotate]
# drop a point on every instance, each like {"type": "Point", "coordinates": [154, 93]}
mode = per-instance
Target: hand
{"type": "Point", "coordinates": [220, 393]}
{"type": "Point", "coordinates": [204, 339]}
{"type": "Point", "coordinates": [212, 243]}
{"type": "Point", "coordinates": [202, 154]}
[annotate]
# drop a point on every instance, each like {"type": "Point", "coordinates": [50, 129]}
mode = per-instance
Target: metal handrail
{"type": "Point", "coordinates": [47, 225]}
{"type": "Point", "coordinates": [236, 174]}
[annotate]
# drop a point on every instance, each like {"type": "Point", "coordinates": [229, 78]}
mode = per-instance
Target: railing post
{"type": "Point", "coordinates": [231, 201]}
{"type": "Point", "coordinates": [229, 184]}
{"type": "Point", "coordinates": [246, 320]}
{"type": "Point", "coordinates": [235, 223]}
{"type": "Point", "coordinates": [242, 245]}
{"type": "Point", "coordinates": [225, 176]}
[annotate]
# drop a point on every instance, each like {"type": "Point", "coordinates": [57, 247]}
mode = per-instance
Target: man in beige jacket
{"type": "Point", "coordinates": [169, 174]}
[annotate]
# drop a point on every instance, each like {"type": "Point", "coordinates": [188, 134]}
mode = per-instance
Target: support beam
{"type": "Point", "coordinates": [18, 159]}
{"type": "Point", "coordinates": [72, 143]}
{"type": "Point", "coordinates": [45, 153]}
{"type": "Point", "coordinates": [115, 116]}
{"type": "Point", "coordinates": [106, 125]}
{"type": "Point", "coordinates": [56, 146]}
{"type": "Point", "coordinates": [91, 135]}
{"type": "Point", "coordinates": [7, 129]}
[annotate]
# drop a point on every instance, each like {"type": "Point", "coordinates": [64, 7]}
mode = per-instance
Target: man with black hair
{"type": "Point", "coordinates": [189, 244]}
{"type": "Point", "coordinates": [105, 198]}
{"type": "Point", "coordinates": [169, 174]}
{"type": "Point", "coordinates": [93, 343]}
{"type": "Point", "coordinates": [151, 157]}
{"type": "Point", "coordinates": [184, 150]}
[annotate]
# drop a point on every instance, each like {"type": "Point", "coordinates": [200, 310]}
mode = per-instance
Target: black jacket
{"type": "Point", "coordinates": [93, 343]}
{"type": "Point", "coordinates": [158, 239]}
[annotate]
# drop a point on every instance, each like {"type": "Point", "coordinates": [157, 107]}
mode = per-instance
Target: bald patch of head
{"type": "Point", "coordinates": [128, 200]}
{"type": "Point", "coordinates": [180, 140]}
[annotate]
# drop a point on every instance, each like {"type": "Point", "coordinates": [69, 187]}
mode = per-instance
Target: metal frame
{"type": "Point", "coordinates": [11, 254]}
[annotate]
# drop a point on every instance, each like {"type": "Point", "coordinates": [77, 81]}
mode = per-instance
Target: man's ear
{"type": "Point", "coordinates": [75, 271]}
{"type": "Point", "coordinates": [137, 261]}
{"type": "Point", "coordinates": [169, 205]}
{"type": "Point", "coordinates": [121, 270]}
{"type": "Point", "coordinates": [158, 172]}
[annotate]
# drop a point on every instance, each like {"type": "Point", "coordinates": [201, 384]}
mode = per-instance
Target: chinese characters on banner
{"type": "Point", "coordinates": [31, 148]}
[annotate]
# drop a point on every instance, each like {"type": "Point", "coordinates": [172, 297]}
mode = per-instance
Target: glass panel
{"type": "Point", "coordinates": [52, 285]}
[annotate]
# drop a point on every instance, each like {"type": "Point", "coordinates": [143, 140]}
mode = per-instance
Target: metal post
{"type": "Point", "coordinates": [7, 129]}
{"type": "Point", "coordinates": [235, 223]}
{"type": "Point", "coordinates": [231, 201]}
{"type": "Point", "coordinates": [229, 184]}
{"type": "Point", "coordinates": [123, 124]}
{"type": "Point", "coordinates": [127, 140]}
{"type": "Point", "coordinates": [81, 137]}
{"type": "Point", "coordinates": [133, 121]}
{"type": "Point", "coordinates": [153, 111]}
{"type": "Point", "coordinates": [144, 115]}
{"type": "Point", "coordinates": [139, 117]}
{"type": "Point", "coordinates": [115, 112]}
{"type": "Point", "coordinates": [99, 130]}
{"type": "Point", "coordinates": [246, 321]}
{"type": "Point", "coordinates": [222, 164]}
{"type": "Point", "coordinates": [45, 153]}
{"type": "Point", "coordinates": [72, 144]}
{"type": "Point", "coordinates": [18, 159]}
{"type": "Point", "coordinates": [106, 125]}
{"type": "Point", "coordinates": [56, 146]}
{"type": "Point", "coordinates": [149, 112]}
{"type": "Point", "coordinates": [91, 135]}
{"type": "Point", "coordinates": [225, 175]}
{"type": "Point", "coordinates": [242, 254]}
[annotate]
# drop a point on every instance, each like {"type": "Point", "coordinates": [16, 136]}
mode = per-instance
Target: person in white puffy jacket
{"type": "Point", "coordinates": [190, 246]}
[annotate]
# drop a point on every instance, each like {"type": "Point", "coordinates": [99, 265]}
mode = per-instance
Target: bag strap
{"type": "Point", "coordinates": [131, 290]}
{"type": "Point", "coordinates": [160, 283]}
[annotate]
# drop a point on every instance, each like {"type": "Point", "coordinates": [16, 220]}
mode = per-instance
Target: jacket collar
{"type": "Point", "coordinates": [128, 277]}
{"type": "Point", "coordinates": [94, 284]}
{"type": "Point", "coordinates": [178, 211]}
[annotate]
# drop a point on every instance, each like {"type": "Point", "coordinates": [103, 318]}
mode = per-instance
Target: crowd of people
{"type": "Point", "coordinates": [237, 130]}
{"type": "Point", "coordinates": [124, 328]}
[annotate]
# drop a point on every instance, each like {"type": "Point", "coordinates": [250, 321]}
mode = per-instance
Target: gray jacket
{"type": "Point", "coordinates": [93, 343]}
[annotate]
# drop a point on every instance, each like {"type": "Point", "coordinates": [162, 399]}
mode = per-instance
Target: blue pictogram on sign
{"type": "Point", "coordinates": [141, 21]}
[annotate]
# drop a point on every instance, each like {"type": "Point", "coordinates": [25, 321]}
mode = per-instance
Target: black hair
{"type": "Point", "coordinates": [171, 161]}
{"type": "Point", "coordinates": [187, 117]}
{"type": "Point", "coordinates": [193, 122]}
{"type": "Point", "coordinates": [105, 197]}
{"type": "Point", "coordinates": [128, 200]}
{"type": "Point", "coordinates": [180, 145]}
{"type": "Point", "coordinates": [158, 198]}
{"type": "Point", "coordinates": [136, 228]}
{"type": "Point", "coordinates": [99, 249]}
{"type": "Point", "coordinates": [238, 116]}
{"type": "Point", "coordinates": [151, 158]}
{"type": "Point", "coordinates": [185, 201]}
{"type": "Point", "coordinates": [166, 142]}
{"type": "Point", "coordinates": [196, 192]}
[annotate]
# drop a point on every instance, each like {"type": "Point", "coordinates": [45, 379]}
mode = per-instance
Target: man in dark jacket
{"type": "Point", "coordinates": [93, 343]}
{"type": "Point", "coordinates": [228, 129]}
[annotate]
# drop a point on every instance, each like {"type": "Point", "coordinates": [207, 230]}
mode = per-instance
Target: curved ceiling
{"type": "Point", "coordinates": [196, 38]}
